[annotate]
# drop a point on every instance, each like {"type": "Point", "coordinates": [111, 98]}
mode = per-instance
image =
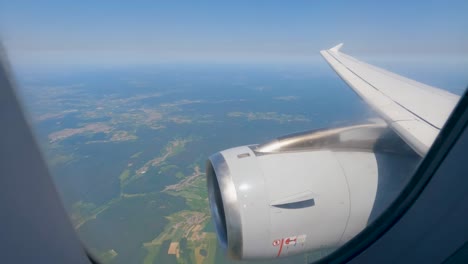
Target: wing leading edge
{"type": "Point", "coordinates": [415, 111]}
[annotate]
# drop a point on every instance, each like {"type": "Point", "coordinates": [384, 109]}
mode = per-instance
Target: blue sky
{"type": "Point", "coordinates": [224, 31]}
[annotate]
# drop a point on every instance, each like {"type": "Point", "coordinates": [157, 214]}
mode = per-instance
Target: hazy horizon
{"type": "Point", "coordinates": [55, 32]}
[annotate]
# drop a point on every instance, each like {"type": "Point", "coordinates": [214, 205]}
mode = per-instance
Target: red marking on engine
{"type": "Point", "coordinates": [281, 247]}
{"type": "Point", "coordinates": [289, 240]}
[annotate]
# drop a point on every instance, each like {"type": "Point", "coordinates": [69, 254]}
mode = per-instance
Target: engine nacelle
{"type": "Point", "coordinates": [302, 192]}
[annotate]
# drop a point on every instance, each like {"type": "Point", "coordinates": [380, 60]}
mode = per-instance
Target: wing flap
{"type": "Point", "coordinates": [414, 110]}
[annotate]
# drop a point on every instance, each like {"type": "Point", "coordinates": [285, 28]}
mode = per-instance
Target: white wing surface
{"type": "Point", "coordinates": [415, 111]}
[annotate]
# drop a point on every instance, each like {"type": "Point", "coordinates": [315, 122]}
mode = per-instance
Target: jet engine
{"type": "Point", "coordinates": [307, 191]}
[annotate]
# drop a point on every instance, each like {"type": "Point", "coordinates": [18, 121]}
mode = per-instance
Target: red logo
{"type": "Point", "coordinates": [276, 242]}
{"type": "Point", "coordinates": [290, 240]}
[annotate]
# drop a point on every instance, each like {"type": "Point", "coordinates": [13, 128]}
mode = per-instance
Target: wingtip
{"type": "Point", "coordinates": [337, 47]}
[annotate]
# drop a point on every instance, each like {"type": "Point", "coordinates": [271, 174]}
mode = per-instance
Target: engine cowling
{"type": "Point", "coordinates": [302, 192]}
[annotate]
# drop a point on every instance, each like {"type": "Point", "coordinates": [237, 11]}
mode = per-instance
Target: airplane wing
{"type": "Point", "coordinates": [415, 111]}
{"type": "Point", "coordinates": [273, 200]}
